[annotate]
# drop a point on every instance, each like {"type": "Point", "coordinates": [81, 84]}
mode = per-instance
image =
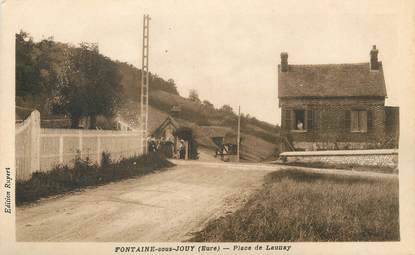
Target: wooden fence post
{"type": "Point", "coordinates": [35, 141]}
{"type": "Point", "coordinates": [141, 144]}
{"type": "Point", "coordinates": [98, 150]}
{"type": "Point", "coordinates": [80, 144]}
{"type": "Point", "coordinates": [61, 149]}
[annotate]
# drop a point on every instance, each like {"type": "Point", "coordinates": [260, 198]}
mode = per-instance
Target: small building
{"type": "Point", "coordinates": [335, 106]}
{"type": "Point", "coordinates": [176, 139]}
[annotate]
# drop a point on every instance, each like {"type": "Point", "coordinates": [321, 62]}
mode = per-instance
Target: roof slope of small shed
{"type": "Point", "coordinates": [331, 80]}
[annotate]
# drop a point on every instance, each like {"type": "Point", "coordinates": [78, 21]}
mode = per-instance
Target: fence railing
{"type": "Point", "coordinates": [41, 149]}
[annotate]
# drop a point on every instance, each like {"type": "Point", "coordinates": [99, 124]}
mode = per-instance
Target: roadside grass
{"type": "Point", "coordinates": [296, 205]}
{"type": "Point", "coordinates": [63, 179]}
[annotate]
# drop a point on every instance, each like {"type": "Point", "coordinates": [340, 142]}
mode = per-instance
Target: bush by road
{"type": "Point", "coordinates": [63, 179]}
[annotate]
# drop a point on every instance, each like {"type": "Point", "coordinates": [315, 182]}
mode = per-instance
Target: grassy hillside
{"type": "Point", "coordinates": [253, 148]}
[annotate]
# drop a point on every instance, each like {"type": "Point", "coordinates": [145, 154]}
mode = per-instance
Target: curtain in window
{"type": "Point", "coordinates": [355, 121]}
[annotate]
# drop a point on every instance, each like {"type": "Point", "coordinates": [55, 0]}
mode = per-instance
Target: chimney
{"type": "Point", "coordinates": [374, 63]}
{"type": "Point", "coordinates": [284, 62]}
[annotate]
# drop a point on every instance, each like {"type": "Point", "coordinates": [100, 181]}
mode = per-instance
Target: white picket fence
{"type": "Point", "coordinates": [42, 149]}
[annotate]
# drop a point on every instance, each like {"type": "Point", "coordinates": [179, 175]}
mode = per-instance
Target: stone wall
{"type": "Point", "coordinates": [324, 146]}
{"type": "Point", "coordinates": [378, 158]}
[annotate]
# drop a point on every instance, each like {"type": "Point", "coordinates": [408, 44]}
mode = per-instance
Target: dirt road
{"type": "Point", "coordinates": [165, 206]}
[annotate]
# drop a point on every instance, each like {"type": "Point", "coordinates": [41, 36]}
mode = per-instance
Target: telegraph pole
{"type": "Point", "coordinates": [144, 83]}
{"type": "Point", "coordinates": [239, 134]}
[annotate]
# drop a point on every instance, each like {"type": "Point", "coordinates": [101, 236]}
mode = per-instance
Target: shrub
{"type": "Point", "coordinates": [105, 159]}
{"type": "Point", "coordinates": [63, 179]}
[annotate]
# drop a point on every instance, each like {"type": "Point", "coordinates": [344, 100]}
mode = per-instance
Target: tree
{"type": "Point", "coordinates": [50, 59]}
{"type": "Point", "coordinates": [38, 66]}
{"type": "Point", "coordinates": [27, 71]}
{"type": "Point", "coordinates": [208, 104]}
{"type": "Point", "coordinates": [171, 87]}
{"type": "Point", "coordinates": [226, 108]}
{"type": "Point", "coordinates": [194, 96]}
{"type": "Point", "coordinates": [91, 85]}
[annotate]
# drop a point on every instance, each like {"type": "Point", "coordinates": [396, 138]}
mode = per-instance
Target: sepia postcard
{"type": "Point", "coordinates": [207, 127]}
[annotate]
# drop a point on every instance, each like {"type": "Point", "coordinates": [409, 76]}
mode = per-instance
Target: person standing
{"type": "Point", "coordinates": [181, 149]}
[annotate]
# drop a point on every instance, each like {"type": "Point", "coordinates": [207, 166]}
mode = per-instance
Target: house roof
{"type": "Point", "coordinates": [331, 80]}
{"type": "Point", "coordinates": [177, 123]}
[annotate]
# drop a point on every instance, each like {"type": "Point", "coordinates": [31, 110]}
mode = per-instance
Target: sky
{"type": "Point", "coordinates": [227, 50]}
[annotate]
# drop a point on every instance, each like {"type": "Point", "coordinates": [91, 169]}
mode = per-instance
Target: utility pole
{"type": "Point", "coordinates": [239, 134]}
{"type": "Point", "coordinates": [144, 83]}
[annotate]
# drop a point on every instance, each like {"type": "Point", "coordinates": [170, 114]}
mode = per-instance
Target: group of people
{"type": "Point", "coordinates": [167, 147]}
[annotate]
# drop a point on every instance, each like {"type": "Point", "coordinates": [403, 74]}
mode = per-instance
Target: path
{"type": "Point", "coordinates": [164, 206]}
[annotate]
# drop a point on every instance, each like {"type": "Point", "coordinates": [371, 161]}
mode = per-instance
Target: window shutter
{"type": "Point", "coordinates": [363, 121]}
{"type": "Point", "coordinates": [310, 119]}
{"type": "Point", "coordinates": [287, 119]}
{"type": "Point", "coordinates": [292, 116]}
{"type": "Point", "coordinates": [369, 120]}
{"type": "Point", "coordinates": [319, 119]}
{"type": "Point", "coordinates": [347, 121]}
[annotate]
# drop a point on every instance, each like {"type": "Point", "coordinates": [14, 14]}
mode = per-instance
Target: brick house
{"type": "Point", "coordinates": [335, 106]}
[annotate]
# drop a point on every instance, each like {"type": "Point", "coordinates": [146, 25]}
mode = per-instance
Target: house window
{"type": "Point", "coordinates": [299, 117]}
{"type": "Point", "coordinates": [298, 120]}
{"type": "Point", "coordinates": [359, 121]}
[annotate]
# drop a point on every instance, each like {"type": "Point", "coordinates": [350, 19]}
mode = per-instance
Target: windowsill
{"type": "Point", "coordinates": [298, 131]}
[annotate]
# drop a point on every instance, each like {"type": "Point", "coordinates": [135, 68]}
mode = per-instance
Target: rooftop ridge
{"type": "Point", "coordinates": [331, 64]}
